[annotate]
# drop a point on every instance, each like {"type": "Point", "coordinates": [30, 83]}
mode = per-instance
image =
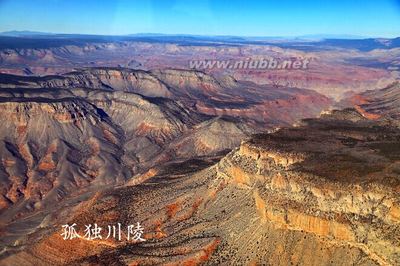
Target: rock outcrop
{"type": "Point", "coordinates": [61, 146]}
{"type": "Point", "coordinates": [323, 193]}
{"type": "Point", "coordinates": [377, 104]}
{"type": "Point", "coordinates": [262, 105]}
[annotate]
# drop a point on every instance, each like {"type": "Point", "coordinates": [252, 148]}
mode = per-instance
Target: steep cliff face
{"type": "Point", "coordinates": [61, 146]}
{"type": "Point", "coordinates": [265, 105]}
{"type": "Point", "coordinates": [330, 79]}
{"type": "Point", "coordinates": [69, 135]}
{"type": "Point", "coordinates": [42, 151]}
{"type": "Point", "coordinates": [323, 193]}
{"type": "Point", "coordinates": [333, 71]}
{"type": "Point", "coordinates": [378, 104]}
{"type": "Point", "coordinates": [96, 78]}
{"type": "Point", "coordinates": [330, 178]}
{"type": "Point", "coordinates": [171, 149]}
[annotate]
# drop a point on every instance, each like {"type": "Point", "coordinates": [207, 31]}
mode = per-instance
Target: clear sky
{"type": "Point", "coordinates": [375, 18]}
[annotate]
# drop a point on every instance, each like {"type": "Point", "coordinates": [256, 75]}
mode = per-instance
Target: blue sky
{"type": "Point", "coordinates": [376, 18]}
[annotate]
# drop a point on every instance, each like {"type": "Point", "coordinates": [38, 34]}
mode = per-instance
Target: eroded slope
{"type": "Point", "coordinates": [323, 193]}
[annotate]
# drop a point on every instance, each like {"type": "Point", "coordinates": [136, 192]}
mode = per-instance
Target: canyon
{"type": "Point", "coordinates": [328, 196]}
{"type": "Point", "coordinates": [337, 67]}
{"type": "Point", "coordinates": [289, 167]}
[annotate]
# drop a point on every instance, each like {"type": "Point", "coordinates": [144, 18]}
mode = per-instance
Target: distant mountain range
{"type": "Point", "coordinates": [26, 33]}
{"type": "Point", "coordinates": [42, 40]}
{"type": "Point", "coordinates": [23, 33]}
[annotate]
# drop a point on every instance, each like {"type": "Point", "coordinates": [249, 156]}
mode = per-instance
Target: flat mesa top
{"type": "Point", "coordinates": [342, 147]}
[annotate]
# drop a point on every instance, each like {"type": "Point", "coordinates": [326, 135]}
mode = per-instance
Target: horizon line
{"type": "Point", "coordinates": [159, 34]}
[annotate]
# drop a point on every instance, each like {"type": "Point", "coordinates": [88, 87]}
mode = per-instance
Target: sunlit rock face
{"type": "Point", "coordinates": [324, 192]}
{"type": "Point", "coordinates": [262, 105]}
{"type": "Point", "coordinates": [174, 150]}
{"type": "Point", "coordinates": [66, 137]}
{"type": "Point", "coordinates": [53, 144]}
{"type": "Point", "coordinates": [377, 104]}
{"type": "Point", "coordinates": [333, 70]}
{"type": "Point", "coordinates": [104, 125]}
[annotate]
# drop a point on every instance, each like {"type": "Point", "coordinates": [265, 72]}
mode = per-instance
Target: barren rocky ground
{"type": "Point", "coordinates": [244, 168]}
